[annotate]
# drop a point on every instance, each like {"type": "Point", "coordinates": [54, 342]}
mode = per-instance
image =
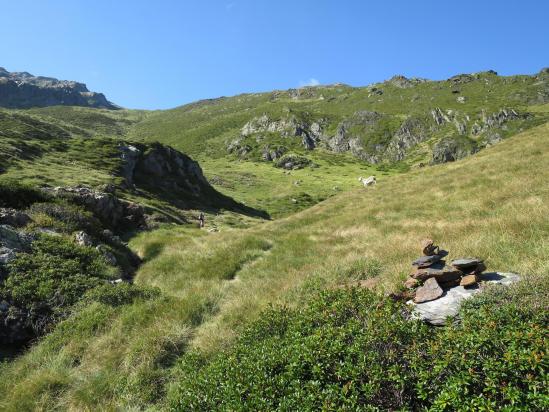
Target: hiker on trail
{"type": "Point", "coordinates": [201, 219]}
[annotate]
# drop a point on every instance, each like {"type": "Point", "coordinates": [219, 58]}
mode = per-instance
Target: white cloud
{"type": "Point", "coordinates": [310, 82]}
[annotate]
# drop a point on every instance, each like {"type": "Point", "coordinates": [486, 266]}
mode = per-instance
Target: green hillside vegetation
{"type": "Point", "coordinates": [400, 132]}
{"type": "Point", "coordinates": [203, 127]}
{"type": "Point", "coordinates": [71, 146]}
{"type": "Point", "coordinates": [181, 336]}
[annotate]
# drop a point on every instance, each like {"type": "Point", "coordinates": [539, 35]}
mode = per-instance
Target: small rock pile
{"type": "Point", "coordinates": [431, 275]}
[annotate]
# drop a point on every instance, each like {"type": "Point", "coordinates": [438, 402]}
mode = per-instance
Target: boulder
{"type": "Point", "coordinates": [270, 153]}
{"type": "Point", "coordinates": [292, 161]}
{"type": "Point", "coordinates": [107, 207]}
{"type": "Point", "coordinates": [429, 291]}
{"type": "Point", "coordinates": [450, 283]}
{"type": "Point", "coordinates": [130, 156]}
{"type": "Point", "coordinates": [437, 311]}
{"type": "Point", "coordinates": [477, 270]}
{"type": "Point", "coordinates": [401, 82]}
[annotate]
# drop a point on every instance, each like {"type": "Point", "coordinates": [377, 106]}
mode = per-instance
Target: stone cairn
{"type": "Point", "coordinates": [431, 275]}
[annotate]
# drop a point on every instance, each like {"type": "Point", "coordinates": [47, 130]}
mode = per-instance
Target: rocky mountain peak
{"type": "Point", "coordinates": [20, 90]}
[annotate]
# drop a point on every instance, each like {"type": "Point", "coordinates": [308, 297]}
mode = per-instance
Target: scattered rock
{"type": "Point", "coordinates": [429, 291]}
{"type": "Point", "coordinates": [83, 239]}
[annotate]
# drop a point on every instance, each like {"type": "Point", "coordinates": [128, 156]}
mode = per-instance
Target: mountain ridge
{"type": "Point", "coordinates": [20, 90]}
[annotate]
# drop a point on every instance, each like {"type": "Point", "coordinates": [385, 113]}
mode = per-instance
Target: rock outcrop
{"type": "Point", "coordinates": [310, 132]}
{"type": "Point", "coordinates": [111, 210]}
{"type": "Point", "coordinates": [450, 149]}
{"type": "Point", "coordinates": [20, 90]}
{"type": "Point", "coordinates": [161, 166]}
{"type": "Point", "coordinates": [403, 82]}
{"type": "Point", "coordinates": [292, 161]}
{"type": "Point", "coordinates": [411, 132]}
{"type": "Point", "coordinates": [13, 217]}
{"type": "Point", "coordinates": [11, 242]}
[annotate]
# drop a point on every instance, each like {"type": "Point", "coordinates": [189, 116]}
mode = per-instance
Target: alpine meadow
{"type": "Point", "coordinates": [327, 247]}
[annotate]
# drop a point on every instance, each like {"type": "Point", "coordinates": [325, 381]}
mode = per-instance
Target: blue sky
{"type": "Point", "coordinates": [164, 53]}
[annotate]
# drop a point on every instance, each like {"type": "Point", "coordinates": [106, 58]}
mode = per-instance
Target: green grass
{"type": "Point", "coordinates": [493, 205]}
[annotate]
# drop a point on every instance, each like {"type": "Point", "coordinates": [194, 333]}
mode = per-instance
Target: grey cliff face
{"type": "Point", "coordinates": [21, 90]}
{"type": "Point", "coordinates": [163, 165]}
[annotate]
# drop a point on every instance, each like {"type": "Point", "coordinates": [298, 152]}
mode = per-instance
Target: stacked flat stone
{"type": "Point", "coordinates": [431, 275]}
{"type": "Point", "coordinates": [472, 269]}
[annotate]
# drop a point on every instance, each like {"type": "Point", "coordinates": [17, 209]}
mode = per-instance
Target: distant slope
{"type": "Point", "coordinates": [400, 120]}
{"type": "Point", "coordinates": [20, 90]}
{"type": "Point", "coordinates": [125, 355]}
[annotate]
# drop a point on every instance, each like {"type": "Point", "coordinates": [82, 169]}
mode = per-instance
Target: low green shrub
{"type": "Point", "coordinates": [353, 350]}
{"type": "Point", "coordinates": [64, 216]}
{"type": "Point", "coordinates": [53, 276]}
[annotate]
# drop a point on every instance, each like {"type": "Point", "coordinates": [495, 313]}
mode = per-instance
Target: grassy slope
{"type": "Point", "coordinates": [202, 130]}
{"type": "Point", "coordinates": [81, 142]}
{"type": "Point", "coordinates": [494, 205]}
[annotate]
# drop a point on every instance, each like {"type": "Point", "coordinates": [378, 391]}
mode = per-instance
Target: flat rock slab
{"type": "Point", "coordinates": [436, 311]}
{"type": "Point", "coordinates": [426, 261]}
{"type": "Point", "coordinates": [465, 263]}
{"type": "Point", "coordinates": [438, 271]}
